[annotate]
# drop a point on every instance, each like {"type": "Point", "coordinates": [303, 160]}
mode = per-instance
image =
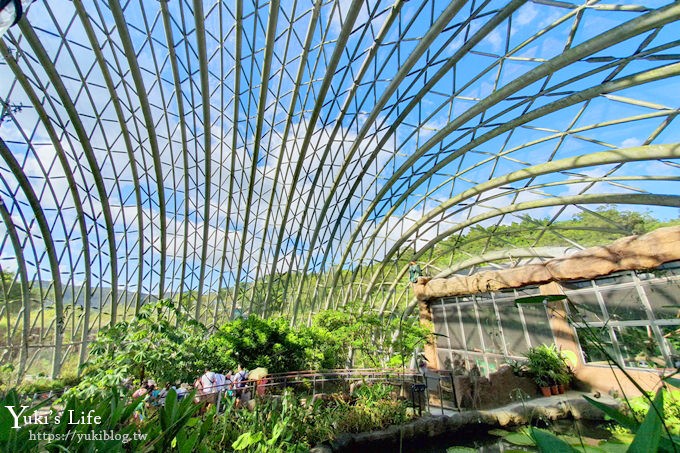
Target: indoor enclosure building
{"type": "Point", "coordinates": [284, 157]}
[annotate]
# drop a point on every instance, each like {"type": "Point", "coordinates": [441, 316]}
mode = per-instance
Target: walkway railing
{"type": "Point", "coordinates": [433, 389]}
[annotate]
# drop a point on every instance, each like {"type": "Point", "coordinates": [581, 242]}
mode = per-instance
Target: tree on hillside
{"type": "Point", "coordinates": [10, 291]}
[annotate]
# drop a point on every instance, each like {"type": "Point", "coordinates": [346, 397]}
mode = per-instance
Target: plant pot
{"type": "Point", "coordinates": [560, 388]}
{"type": "Point", "coordinates": [546, 391]}
{"type": "Point", "coordinates": [554, 390]}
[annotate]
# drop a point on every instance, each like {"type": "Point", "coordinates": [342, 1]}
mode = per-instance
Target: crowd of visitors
{"type": "Point", "coordinates": [211, 389]}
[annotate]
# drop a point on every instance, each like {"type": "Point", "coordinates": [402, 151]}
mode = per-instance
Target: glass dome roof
{"type": "Point", "coordinates": [282, 157]}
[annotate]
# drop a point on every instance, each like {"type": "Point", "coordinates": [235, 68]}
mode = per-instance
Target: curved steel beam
{"type": "Point", "coordinates": [423, 46]}
{"type": "Point", "coordinates": [140, 89]}
{"type": "Point", "coordinates": [71, 110]}
{"type": "Point", "coordinates": [639, 153]}
{"type": "Point", "coordinates": [25, 292]}
{"type": "Point", "coordinates": [73, 187]}
{"type": "Point", "coordinates": [609, 198]}
{"type": "Point", "coordinates": [34, 202]}
{"type": "Point", "coordinates": [296, 174]}
{"type": "Point", "coordinates": [625, 82]}
{"type": "Point", "coordinates": [475, 39]}
{"type": "Point", "coordinates": [207, 134]}
{"type": "Point", "coordinates": [264, 89]}
{"type": "Point", "coordinates": [108, 80]}
{"type": "Point", "coordinates": [284, 137]}
{"type": "Point", "coordinates": [352, 14]}
{"type": "Point", "coordinates": [238, 44]}
{"type": "Point", "coordinates": [620, 33]}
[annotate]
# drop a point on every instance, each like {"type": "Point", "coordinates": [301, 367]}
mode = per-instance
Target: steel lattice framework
{"type": "Point", "coordinates": [283, 157]}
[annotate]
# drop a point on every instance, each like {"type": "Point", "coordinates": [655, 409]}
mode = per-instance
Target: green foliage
{"type": "Point", "coordinates": [10, 291]}
{"type": "Point", "coordinates": [15, 440]}
{"type": "Point", "coordinates": [650, 434]}
{"type": "Point", "coordinates": [547, 366]}
{"type": "Point", "coordinates": [370, 340]}
{"type": "Point", "coordinates": [274, 426]}
{"type": "Point", "coordinates": [172, 428]}
{"type": "Point", "coordinates": [639, 407]}
{"type": "Point", "coordinates": [158, 336]}
{"type": "Point", "coordinates": [271, 343]}
{"type": "Point", "coordinates": [375, 407]}
{"type": "Point", "coordinates": [45, 384]}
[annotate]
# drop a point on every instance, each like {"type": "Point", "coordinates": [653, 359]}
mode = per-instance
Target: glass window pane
{"type": "Point", "coordinates": [663, 298]}
{"type": "Point", "coordinates": [592, 339]}
{"type": "Point", "coordinates": [624, 305]}
{"type": "Point", "coordinates": [576, 284]}
{"type": "Point", "coordinates": [444, 359]}
{"type": "Point", "coordinates": [615, 279]}
{"type": "Point", "coordinates": [490, 330]}
{"type": "Point", "coordinates": [513, 331]}
{"type": "Point", "coordinates": [440, 329]}
{"type": "Point", "coordinates": [455, 334]}
{"type": "Point", "coordinates": [672, 336]}
{"type": "Point", "coordinates": [538, 324]}
{"type": "Point", "coordinates": [585, 307]}
{"type": "Point", "coordinates": [639, 347]}
{"type": "Point", "coordinates": [470, 328]}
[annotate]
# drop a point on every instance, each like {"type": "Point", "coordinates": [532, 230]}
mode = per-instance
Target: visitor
{"type": "Point", "coordinates": [243, 399]}
{"type": "Point", "coordinates": [208, 387]}
{"type": "Point", "coordinates": [241, 377]}
{"type": "Point", "coordinates": [229, 383]}
{"type": "Point", "coordinates": [182, 391]}
{"type": "Point", "coordinates": [139, 413]}
{"type": "Point", "coordinates": [163, 394]}
{"type": "Point", "coordinates": [242, 391]}
{"type": "Point", "coordinates": [261, 386]}
{"type": "Point", "coordinates": [152, 398]}
{"type": "Point", "coordinates": [414, 271]}
{"type": "Point", "coordinates": [142, 391]}
{"type": "Point", "coordinates": [220, 381]}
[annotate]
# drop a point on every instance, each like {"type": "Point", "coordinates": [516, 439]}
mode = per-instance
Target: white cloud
{"type": "Point", "coordinates": [631, 142]}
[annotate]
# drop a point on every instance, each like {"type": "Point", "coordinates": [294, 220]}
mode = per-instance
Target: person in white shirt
{"type": "Point", "coordinates": [208, 387]}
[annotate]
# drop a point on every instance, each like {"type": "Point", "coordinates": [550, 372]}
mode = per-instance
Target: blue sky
{"type": "Point", "coordinates": [323, 149]}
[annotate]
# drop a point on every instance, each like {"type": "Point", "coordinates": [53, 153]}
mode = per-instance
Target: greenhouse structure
{"type": "Point", "coordinates": [434, 164]}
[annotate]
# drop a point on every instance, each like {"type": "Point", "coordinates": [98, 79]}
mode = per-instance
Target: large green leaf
{"type": "Point", "coordinates": [245, 440]}
{"type": "Point", "coordinates": [521, 438]}
{"type": "Point", "coordinates": [648, 435]}
{"type": "Point", "coordinates": [614, 447]}
{"type": "Point", "coordinates": [618, 416]}
{"type": "Point", "coordinates": [675, 382]}
{"type": "Point", "coordinates": [548, 442]}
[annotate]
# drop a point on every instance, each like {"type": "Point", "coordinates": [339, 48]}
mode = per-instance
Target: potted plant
{"type": "Point", "coordinates": [543, 384]}
{"type": "Point", "coordinates": [563, 379]}
{"type": "Point", "coordinates": [547, 367]}
{"type": "Point", "coordinates": [552, 377]}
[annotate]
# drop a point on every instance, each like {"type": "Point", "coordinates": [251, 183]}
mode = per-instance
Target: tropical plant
{"type": "Point", "coordinates": [650, 435]}
{"type": "Point", "coordinates": [160, 334]}
{"type": "Point", "coordinates": [111, 425]}
{"type": "Point", "coordinates": [270, 343]}
{"type": "Point", "coordinates": [369, 339]}
{"type": "Point", "coordinates": [546, 365]}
